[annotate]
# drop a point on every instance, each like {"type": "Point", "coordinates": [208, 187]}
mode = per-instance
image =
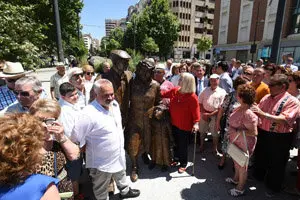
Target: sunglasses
{"type": "Point", "coordinates": [11, 80]}
{"type": "Point", "coordinates": [248, 73]}
{"type": "Point", "coordinates": [89, 73]}
{"type": "Point", "coordinates": [76, 76]}
{"type": "Point", "coordinates": [273, 84]}
{"type": "Point", "coordinates": [22, 93]}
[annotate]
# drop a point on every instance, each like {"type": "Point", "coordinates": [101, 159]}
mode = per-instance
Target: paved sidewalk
{"type": "Point", "coordinates": [207, 184]}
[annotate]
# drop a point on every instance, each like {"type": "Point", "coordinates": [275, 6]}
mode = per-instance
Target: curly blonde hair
{"type": "Point", "coordinates": [21, 138]}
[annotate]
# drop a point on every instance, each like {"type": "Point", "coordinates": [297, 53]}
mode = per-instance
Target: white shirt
{"type": "Point", "coordinates": [81, 103]}
{"type": "Point", "coordinates": [294, 68]}
{"type": "Point", "coordinates": [212, 99]}
{"type": "Point", "coordinates": [88, 85]}
{"type": "Point", "coordinates": [101, 130]}
{"type": "Point", "coordinates": [56, 80]}
{"type": "Point", "coordinates": [175, 79]}
{"type": "Point", "coordinates": [69, 113]}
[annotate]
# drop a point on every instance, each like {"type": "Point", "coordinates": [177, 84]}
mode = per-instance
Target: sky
{"type": "Point", "coordinates": [95, 12]}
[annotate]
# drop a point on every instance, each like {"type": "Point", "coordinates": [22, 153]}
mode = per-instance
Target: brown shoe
{"type": "Point", "coordinates": [134, 176]}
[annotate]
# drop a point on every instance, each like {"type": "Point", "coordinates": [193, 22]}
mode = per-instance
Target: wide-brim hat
{"type": "Point", "coordinates": [13, 70]}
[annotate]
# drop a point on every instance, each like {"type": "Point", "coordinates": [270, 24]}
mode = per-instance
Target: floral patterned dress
{"type": "Point", "coordinates": [229, 104]}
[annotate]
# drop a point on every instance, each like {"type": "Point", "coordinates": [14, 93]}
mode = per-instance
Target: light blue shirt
{"type": "Point", "coordinates": [226, 82]}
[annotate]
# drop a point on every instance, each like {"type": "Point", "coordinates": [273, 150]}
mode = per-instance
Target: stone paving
{"type": "Point", "coordinates": [207, 184]}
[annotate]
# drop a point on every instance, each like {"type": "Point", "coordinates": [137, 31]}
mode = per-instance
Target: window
{"type": "Point", "coordinates": [180, 15]}
{"type": "Point", "coordinates": [296, 19]}
{"type": "Point", "coordinates": [198, 30]}
{"type": "Point", "coordinates": [200, 8]}
{"type": "Point", "coordinates": [180, 3]}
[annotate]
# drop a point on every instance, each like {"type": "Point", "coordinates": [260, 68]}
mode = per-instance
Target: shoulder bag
{"type": "Point", "coordinates": [238, 155]}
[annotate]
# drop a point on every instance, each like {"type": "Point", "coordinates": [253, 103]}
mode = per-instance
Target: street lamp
{"type": "Point", "coordinates": [253, 46]}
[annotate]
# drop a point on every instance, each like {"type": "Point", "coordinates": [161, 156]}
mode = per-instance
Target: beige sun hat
{"type": "Point", "coordinates": [13, 70]}
{"type": "Point", "coordinates": [73, 71]}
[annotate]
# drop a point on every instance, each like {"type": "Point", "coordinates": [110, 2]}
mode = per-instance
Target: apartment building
{"type": "Point", "coordinates": [110, 24]}
{"type": "Point", "coordinates": [87, 39]}
{"type": "Point", "coordinates": [196, 20]}
{"type": "Point", "coordinates": [240, 24]}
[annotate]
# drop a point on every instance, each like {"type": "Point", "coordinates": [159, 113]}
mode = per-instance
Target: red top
{"type": "Point", "coordinates": [184, 108]}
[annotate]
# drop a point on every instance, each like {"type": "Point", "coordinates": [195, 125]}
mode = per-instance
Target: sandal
{"type": "Point", "coordinates": [181, 170]}
{"type": "Point", "coordinates": [231, 181]}
{"type": "Point", "coordinates": [235, 192]}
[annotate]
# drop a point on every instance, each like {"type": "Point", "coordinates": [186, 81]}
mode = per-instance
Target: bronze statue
{"type": "Point", "coordinates": [162, 141]}
{"type": "Point", "coordinates": [120, 77]}
{"type": "Point", "coordinates": [144, 95]}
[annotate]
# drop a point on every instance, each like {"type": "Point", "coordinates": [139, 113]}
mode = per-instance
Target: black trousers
{"type": "Point", "coordinates": [181, 145]}
{"type": "Point", "coordinates": [271, 156]}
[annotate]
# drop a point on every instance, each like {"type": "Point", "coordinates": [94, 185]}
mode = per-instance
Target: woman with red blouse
{"type": "Point", "coordinates": [185, 115]}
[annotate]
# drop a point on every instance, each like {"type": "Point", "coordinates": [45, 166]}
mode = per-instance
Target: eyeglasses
{"type": "Point", "coordinates": [248, 73]}
{"type": "Point", "coordinates": [273, 84]}
{"type": "Point", "coordinates": [289, 60]}
{"type": "Point", "coordinates": [269, 69]}
{"type": "Point", "coordinates": [11, 80]}
{"type": "Point", "coordinates": [158, 72]}
{"type": "Point", "coordinates": [22, 93]}
{"type": "Point", "coordinates": [89, 73]}
{"type": "Point", "coordinates": [76, 76]}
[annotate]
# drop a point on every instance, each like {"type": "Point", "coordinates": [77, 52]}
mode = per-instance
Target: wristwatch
{"type": "Point", "coordinates": [62, 140]}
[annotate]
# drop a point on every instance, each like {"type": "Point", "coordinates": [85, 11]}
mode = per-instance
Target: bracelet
{"type": "Point", "coordinates": [63, 140]}
{"type": "Point", "coordinates": [267, 116]}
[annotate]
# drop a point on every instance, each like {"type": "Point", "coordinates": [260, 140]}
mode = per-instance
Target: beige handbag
{"type": "Point", "coordinates": [238, 155]}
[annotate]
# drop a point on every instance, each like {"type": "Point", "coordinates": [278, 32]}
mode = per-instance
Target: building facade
{"type": "Point", "coordinates": [87, 39]}
{"type": "Point", "coordinates": [238, 25]}
{"type": "Point", "coordinates": [110, 24]}
{"type": "Point", "coordinates": [196, 20]}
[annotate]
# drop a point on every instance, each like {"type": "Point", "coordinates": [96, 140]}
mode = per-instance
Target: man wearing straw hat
{"type": "Point", "coordinates": [11, 72]}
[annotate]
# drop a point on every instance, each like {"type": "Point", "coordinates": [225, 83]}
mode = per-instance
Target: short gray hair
{"type": "Point", "coordinates": [36, 83]}
{"type": "Point", "coordinates": [99, 84]}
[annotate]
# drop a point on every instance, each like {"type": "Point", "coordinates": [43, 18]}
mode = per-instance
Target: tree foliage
{"type": "Point", "coordinates": [156, 22]}
{"type": "Point", "coordinates": [204, 44]}
{"type": "Point", "coordinates": [27, 29]}
{"type": "Point", "coordinates": [149, 45]}
{"type": "Point", "coordinates": [113, 41]}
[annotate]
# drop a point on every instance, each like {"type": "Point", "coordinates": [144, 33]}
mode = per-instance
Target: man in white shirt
{"type": "Point", "coordinates": [289, 64]}
{"type": "Point", "coordinates": [57, 79]}
{"type": "Point", "coordinates": [69, 112]}
{"type": "Point", "coordinates": [75, 76]}
{"type": "Point", "coordinates": [99, 127]}
{"type": "Point", "coordinates": [210, 100]}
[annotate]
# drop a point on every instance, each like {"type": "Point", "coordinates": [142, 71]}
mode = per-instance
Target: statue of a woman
{"type": "Point", "coordinates": [144, 95]}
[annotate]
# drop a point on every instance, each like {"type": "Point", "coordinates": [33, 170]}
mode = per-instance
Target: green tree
{"type": "Point", "coordinates": [204, 44]}
{"type": "Point", "coordinates": [157, 21]}
{"type": "Point", "coordinates": [21, 37]}
{"type": "Point", "coordinates": [113, 41]}
{"type": "Point", "coordinates": [33, 21]}
{"type": "Point", "coordinates": [149, 45]}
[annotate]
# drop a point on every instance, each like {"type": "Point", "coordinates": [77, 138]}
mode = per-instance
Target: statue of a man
{"type": "Point", "coordinates": [144, 95]}
{"type": "Point", "coordinates": [120, 77]}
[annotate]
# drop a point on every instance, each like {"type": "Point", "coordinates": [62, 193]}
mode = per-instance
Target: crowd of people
{"type": "Point", "coordinates": [88, 122]}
